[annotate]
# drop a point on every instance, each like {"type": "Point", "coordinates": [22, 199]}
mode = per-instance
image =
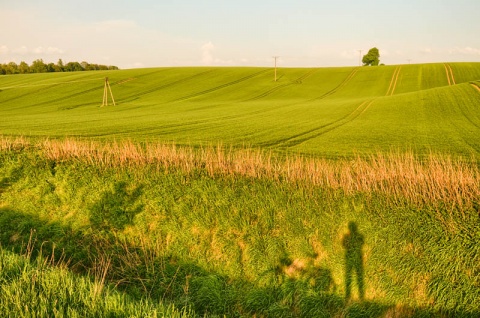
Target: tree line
{"type": "Point", "coordinates": [39, 66]}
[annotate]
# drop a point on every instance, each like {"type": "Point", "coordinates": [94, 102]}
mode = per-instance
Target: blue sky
{"type": "Point", "coordinates": [147, 33]}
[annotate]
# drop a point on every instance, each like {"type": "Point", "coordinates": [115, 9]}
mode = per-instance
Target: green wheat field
{"type": "Point", "coordinates": [219, 192]}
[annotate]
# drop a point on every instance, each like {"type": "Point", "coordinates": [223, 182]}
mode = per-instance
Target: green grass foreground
{"type": "Point", "coordinates": [332, 112]}
{"type": "Point", "coordinates": [43, 287]}
{"type": "Point", "coordinates": [127, 229]}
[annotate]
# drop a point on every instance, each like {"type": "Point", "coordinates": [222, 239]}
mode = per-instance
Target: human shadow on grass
{"type": "Point", "coordinates": [353, 243]}
{"type": "Point", "coordinates": [140, 271]}
{"type": "Point", "coordinates": [116, 209]}
{"type": "Point", "coordinates": [13, 176]}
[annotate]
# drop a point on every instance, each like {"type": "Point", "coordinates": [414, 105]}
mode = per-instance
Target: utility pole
{"type": "Point", "coordinates": [360, 58]}
{"type": "Point", "coordinates": [107, 88]}
{"type": "Point", "coordinates": [409, 61]}
{"type": "Point", "coordinates": [275, 58]}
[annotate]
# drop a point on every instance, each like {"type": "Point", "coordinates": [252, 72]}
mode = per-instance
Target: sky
{"type": "Point", "coordinates": [303, 33]}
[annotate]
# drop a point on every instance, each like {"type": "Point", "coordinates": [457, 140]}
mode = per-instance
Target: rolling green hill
{"type": "Point", "coordinates": [104, 224]}
{"type": "Point", "coordinates": [325, 111]}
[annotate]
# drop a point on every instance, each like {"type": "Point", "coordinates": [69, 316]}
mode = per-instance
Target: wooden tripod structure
{"type": "Point", "coordinates": [105, 93]}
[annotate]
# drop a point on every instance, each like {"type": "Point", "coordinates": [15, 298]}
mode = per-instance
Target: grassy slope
{"type": "Point", "coordinates": [226, 243]}
{"type": "Point", "coordinates": [321, 111]}
{"type": "Point", "coordinates": [38, 289]}
{"type": "Point", "coordinates": [238, 245]}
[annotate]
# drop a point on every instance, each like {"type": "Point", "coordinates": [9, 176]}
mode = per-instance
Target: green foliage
{"type": "Point", "coordinates": [328, 111]}
{"type": "Point", "coordinates": [35, 288]}
{"type": "Point", "coordinates": [223, 245]}
{"type": "Point", "coordinates": [235, 244]}
{"type": "Point", "coordinates": [39, 66]}
{"type": "Point", "coordinates": [372, 58]}
{"type": "Point", "coordinates": [116, 208]}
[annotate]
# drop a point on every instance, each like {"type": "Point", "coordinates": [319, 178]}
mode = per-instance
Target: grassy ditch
{"type": "Point", "coordinates": [240, 232]}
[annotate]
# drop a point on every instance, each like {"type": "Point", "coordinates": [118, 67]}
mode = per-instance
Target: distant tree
{"type": "Point", "coordinates": [12, 68]}
{"type": "Point", "coordinates": [23, 68]}
{"type": "Point", "coordinates": [73, 67]}
{"type": "Point", "coordinates": [38, 66]}
{"type": "Point", "coordinates": [372, 58]}
{"type": "Point", "coordinates": [85, 66]}
{"type": "Point", "coordinates": [59, 67]}
{"type": "Point", "coordinates": [50, 67]}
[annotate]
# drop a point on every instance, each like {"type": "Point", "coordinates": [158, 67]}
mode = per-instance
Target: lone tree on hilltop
{"type": "Point", "coordinates": [372, 58]}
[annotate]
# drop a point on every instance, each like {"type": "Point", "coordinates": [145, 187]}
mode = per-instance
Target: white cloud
{"type": "Point", "coordinates": [207, 53]}
{"type": "Point", "coordinates": [209, 58]}
{"type": "Point", "coordinates": [220, 62]}
{"type": "Point", "coordinates": [426, 50]}
{"type": "Point", "coordinates": [54, 50]}
{"type": "Point", "coordinates": [350, 54]}
{"type": "Point", "coordinates": [465, 51]}
{"type": "Point", "coordinates": [49, 50]}
{"type": "Point", "coordinates": [138, 65]}
{"type": "Point", "coordinates": [38, 50]}
{"type": "Point", "coordinates": [21, 50]}
{"type": "Point", "coordinates": [4, 49]}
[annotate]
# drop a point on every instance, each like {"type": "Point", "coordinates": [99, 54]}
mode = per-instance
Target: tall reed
{"type": "Point", "coordinates": [399, 175]}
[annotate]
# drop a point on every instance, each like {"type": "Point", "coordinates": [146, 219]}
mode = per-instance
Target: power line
{"type": "Point", "coordinates": [275, 58]}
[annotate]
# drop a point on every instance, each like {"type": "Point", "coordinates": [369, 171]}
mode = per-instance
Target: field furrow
{"type": "Point", "coordinates": [314, 111]}
{"type": "Point", "coordinates": [476, 86]}
{"type": "Point", "coordinates": [340, 86]}
{"type": "Point", "coordinates": [163, 86]}
{"type": "Point", "coordinates": [218, 192]}
{"type": "Point", "coordinates": [323, 129]}
{"type": "Point", "coordinates": [393, 82]}
{"type": "Point", "coordinates": [450, 77]}
{"type": "Point", "coordinates": [299, 80]}
{"type": "Point", "coordinates": [214, 89]}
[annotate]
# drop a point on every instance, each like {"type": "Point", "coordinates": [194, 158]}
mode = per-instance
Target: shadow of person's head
{"type": "Point", "coordinates": [352, 227]}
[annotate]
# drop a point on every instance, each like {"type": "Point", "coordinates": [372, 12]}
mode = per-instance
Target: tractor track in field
{"type": "Point", "coordinates": [125, 81]}
{"type": "Point", "coordinates": [277, 88]}
{"type": "Point", "coordinates": [300, 80]}
{"type": "Point", "coordinates": [70, 96]}
{"type": "Point", "coordinates": [191, 124]}
{"type": "Point", "coordinates": [393, 81]}
{"type": "Point", "coordinates": [43, 88]}
{"type": "Point", "coordinates": [216, 88]}
{"type": "Point", "coordinates": [450, 77]}
{"type": "Point", "coordinates": [80, 94]}
{"type": "Point", "coordinates": [318, 131]}
{"type": "Point", "coordinates": [340, 86]}
{"type": "Point", "coordinates": [51, 84]}
{"type": "Point", "coordinates": [54, 85]}
{"type": "Point", "coordinates": [305, 76]}
{"type": "Point", "coordinates": [468, 116]}
{"type": "Point", "coordinates": [476, 86]}
{"type": "Point", "coordinates": [164, 86]}
{"type": "Point", "coordinates": [146, 74]}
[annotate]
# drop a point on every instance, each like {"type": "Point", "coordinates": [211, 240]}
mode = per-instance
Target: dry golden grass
{"type": "Point", "coordinates": [436, 179]}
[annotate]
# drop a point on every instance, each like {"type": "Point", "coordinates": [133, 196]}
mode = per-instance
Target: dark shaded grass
{"type": "Point", "coordinates": [236, 245]}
